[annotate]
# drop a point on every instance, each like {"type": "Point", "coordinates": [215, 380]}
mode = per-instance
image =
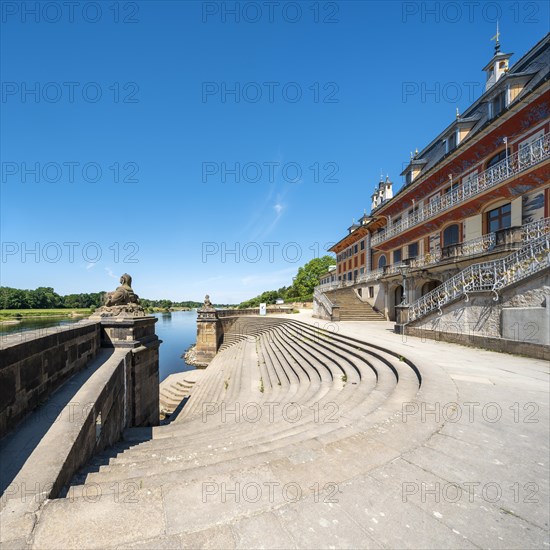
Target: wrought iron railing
{"type": "Point", "coordinates": [517, 162]}
{"type": "Point", "coordinates": [371, 275]}
{"type": "Point", "coordinates": [530, 231]}
{"type": "Point", "coordinates": [533, 257]}
{"type": "Point", "coordinates": [536, 229]}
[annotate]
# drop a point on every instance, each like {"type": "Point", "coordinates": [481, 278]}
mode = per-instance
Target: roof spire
{"type": "Point", "coordinates": [496, 39]}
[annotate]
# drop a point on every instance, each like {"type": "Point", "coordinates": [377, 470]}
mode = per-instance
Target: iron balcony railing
{"type": "Point", "coordinates": [467, 248]}
{"type": "Point", "coordinates": [528, 156]}
{"type": "Point", "coordinates": [485, 243]}
{"type": "Point", "coordinates": [533, 257]}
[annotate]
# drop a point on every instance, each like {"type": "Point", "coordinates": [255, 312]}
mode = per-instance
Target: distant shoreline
{"type": "Point", "coordinates": [10, 317]}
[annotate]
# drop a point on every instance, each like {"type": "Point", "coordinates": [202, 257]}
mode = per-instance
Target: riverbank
{"type": "Point", "coordinates": [12, 316]}
{"type": "Point", "coordinates": [190, 356]}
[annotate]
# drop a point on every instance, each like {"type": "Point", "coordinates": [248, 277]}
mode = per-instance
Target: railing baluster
{"type": "Point", "coordinates": [537, 152]}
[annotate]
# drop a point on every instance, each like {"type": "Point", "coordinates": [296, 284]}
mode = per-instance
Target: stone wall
{"type": "Point", "coordinates": [482, 315]}
{"type": "Point", "coordinates": [34, 364]}
{"type": "Point", "coordinates": [97, 427]}
{"type": "Point", "coordinates": [518, 322]}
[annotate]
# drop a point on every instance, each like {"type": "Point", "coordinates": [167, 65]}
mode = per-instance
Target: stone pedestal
{"type": "Point", "coordinates": [401, 318]}
{"type": "Point", "coordinates": [209, 336]}
{"type": "Point", "coordinates": [142, 374]}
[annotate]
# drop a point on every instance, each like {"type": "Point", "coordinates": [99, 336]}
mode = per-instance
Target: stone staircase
{"type": "Point", "coordinates": [351, 307]}
{"type": "Point", "coordinates": [286, 410]}
{"type": "Point", "coordinates": [175, 388]}
{"type": "Point", "coordinates": [532, 258]}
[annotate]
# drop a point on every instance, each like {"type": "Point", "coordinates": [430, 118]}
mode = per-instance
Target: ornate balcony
{"type": "Point", "coordinates": [516, 163]}
{"type": "Point", "coordinates": [492, 276]}
{"type": "Point", "coordinates": [505, 239]}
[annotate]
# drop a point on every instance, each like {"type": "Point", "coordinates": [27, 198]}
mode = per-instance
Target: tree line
{"type": "Point", "coordinates": [301, 289]}
{"type": "Point", "coordinates": [46, 298]}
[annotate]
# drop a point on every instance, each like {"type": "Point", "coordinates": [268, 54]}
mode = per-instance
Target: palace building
{"type": "Point", "coordinates": [476, 195]}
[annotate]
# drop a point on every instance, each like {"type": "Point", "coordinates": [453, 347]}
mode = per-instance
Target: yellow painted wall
{"type": "Point", "coordinates": [516, 211]}
{"type": "Point", "coordinates": [472, 227]}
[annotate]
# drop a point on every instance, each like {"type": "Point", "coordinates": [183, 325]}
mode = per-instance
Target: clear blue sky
{"type": "Point", "coordinates": [164, 72]}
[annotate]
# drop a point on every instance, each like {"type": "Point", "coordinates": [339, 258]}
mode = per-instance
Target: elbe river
{"type": "Point", "coordinates": [177, 330]}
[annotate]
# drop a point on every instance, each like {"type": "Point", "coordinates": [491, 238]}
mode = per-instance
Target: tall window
{"type": "Point", "coordinates": [413, 250]}
{"type": "Point", "coordinates": [451, 235]}
{"type": "Point", "coordinates": [382, 261]}
{"type": "Point", "coordinates": [396, 256]}
{"type": "Point", "coordinates": [497, 158]}
{"type": "Point", "coordinates": [499, 218]}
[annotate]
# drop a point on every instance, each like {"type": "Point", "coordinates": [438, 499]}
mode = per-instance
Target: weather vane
{"type": "Point", "coordinates": [496, 38]}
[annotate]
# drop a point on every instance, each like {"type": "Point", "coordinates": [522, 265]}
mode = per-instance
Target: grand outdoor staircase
{"type": "Point", "coordinates": [351, 307]}
{"type": "Point", "coordinates": [284, 402]}
{"type": "Point", "coordinates": [532, 258]}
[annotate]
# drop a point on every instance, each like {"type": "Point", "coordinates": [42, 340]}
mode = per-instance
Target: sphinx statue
{"type": "Point", "coordinates": [123, 295]}
{"type": "Point", "coordinates": [122, 302]}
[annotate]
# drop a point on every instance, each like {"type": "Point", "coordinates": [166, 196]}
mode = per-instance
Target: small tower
{"type": "Point", "coordinates": [388, 189]}
{"type": "Point", "coordinates": [498, 66]}
{"type": "Point", "coordinates": [382, 192]}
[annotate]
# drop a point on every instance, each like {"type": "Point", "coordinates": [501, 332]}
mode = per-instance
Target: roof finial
{"type": "Point", "coordinates": [496, 39]}
{"type": "Point", "coordinates": [457, 113]}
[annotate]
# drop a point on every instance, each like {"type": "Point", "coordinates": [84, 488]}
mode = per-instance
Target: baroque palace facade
{"type": "Point", "coordinates": [477, 193]}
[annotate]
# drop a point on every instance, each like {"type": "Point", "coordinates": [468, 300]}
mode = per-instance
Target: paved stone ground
{"type": "Point", "coordinates": [461, 462]}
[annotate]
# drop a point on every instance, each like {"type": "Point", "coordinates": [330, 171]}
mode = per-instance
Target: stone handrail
{"type": "Point", "coordinates": [536, 152]}
{"type": "Point", "coordinates": [492, 276]}
{"type": "Point", "coordinates": [251, 311]}
{"type": "Point", "coordinates": [320, 297]}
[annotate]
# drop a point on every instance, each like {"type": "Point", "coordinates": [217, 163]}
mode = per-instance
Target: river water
{"type": "Point", "coordinates": [177, 330]}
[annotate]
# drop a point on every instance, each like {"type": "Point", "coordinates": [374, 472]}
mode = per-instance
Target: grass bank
{"type": "Point", "coordinates": [20, 314]}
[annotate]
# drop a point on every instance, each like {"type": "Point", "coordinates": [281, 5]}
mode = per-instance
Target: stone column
{"type": "Point", "coordinates": [209, 334]}
{"type": "Point", "coordinates": [137, 334]}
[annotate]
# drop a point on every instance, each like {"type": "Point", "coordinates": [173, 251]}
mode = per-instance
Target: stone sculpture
{"type": "Point", "coordinates": [123, 295]}
{"type": "Point", "coordinates": [122, 302]}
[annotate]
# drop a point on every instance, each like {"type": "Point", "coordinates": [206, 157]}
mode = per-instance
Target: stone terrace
{"type": "Point", "coordinates": [306, 434]}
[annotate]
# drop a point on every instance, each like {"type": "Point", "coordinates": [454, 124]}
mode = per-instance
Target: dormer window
{"type": "Point", "coordinates": [450, 143]}
{"type": "Point", "coordinates": [497, 105]}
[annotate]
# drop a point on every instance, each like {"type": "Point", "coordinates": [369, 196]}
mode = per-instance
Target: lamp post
{"type": "Point", "coordinates": [404, 270]}
{"type": "Point", "coordinates": [505, 141]}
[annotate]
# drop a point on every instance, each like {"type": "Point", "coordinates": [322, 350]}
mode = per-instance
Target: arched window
{"type": "Point", "coordinates": [451, 235]}
{"type": "Point", "coordinates": [382, 261]}
{"type": "Point", "coordinates": [497, 158]}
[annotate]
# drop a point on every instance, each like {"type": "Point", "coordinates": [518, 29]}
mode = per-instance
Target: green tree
{"type": "Point", "coordinates": [307, 277]}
